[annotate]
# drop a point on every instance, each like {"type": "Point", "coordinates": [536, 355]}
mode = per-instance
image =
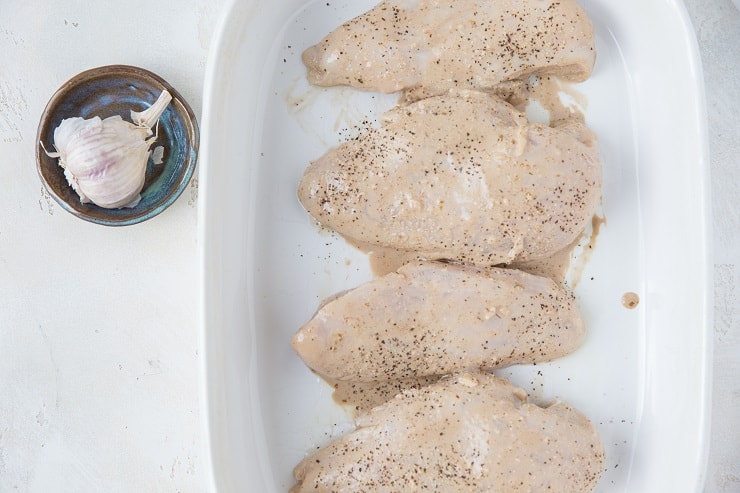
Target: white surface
{"type": "Point", "coordinates": [77, 301]}
{"type": "Point", "coordinates": [98, 343]}
{"type": "Point", "coordinates": [642, 376]}
{"type": "Point", "coordinates": [717, 25]}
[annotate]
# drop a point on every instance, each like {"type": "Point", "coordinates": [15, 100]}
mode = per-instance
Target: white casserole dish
{"type": "Point", "coordinates": [643, 375]}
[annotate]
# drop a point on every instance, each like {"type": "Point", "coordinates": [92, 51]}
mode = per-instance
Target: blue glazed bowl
{"type": "Point", "coordinates": [116, 90]}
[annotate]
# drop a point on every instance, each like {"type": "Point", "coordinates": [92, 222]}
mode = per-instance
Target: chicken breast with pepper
{"type": "Point", "coordinates": [464, 177]}
{"type": "Point", "coordinates": [426, 47]}
{"type": "Point", "coordinates": [473, 432]}
{"type": "Point", "coordinates": [430, 318]}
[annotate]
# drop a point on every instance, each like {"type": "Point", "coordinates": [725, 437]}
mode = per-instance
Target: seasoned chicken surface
{"type": "Point", "coordinates": [429, 46]}
{"type": "Point", "coordinates": [431, 318]}
{"type": "Point", "coordinates": [462, 176]}
{"type": "Point", "coordinates": [469, 433]}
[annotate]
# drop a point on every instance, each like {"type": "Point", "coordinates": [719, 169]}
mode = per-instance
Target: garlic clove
{"type": "Point", "coordinates": [72, 180]}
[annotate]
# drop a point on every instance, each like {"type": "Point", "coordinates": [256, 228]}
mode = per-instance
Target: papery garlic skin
{"type": "Point", "coordinates": [105, 161]}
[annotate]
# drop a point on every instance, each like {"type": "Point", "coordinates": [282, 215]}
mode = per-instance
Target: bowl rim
{"type": "Point", "coordinates": [113, 71]}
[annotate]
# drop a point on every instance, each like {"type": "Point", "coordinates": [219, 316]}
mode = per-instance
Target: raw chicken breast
{"type": "Point", "coordinates": [431, 318]}
{"type": "Point", "coordinates": [462, 177]}
{"type": "Point", "coordinates": [430, 46]}
{"type": "Point", "coordinates": [471, 433]}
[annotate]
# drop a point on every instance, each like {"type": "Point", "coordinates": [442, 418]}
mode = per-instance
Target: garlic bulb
{"type": "Point", "coordinates": [104, 161]}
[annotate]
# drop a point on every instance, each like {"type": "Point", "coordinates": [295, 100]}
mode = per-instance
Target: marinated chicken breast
{"type": "Point", "coordinates": [472, 433]}
{"type": "Point", "coordinates": [461, 176]}
{"type": "Point", "coordinates": [430, 46]}
{"type": "Point", "coordinates": [431, 318]}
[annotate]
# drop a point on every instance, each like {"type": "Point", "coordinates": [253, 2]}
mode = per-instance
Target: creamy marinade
{"type": "Point", "coordinates": [431, 318]}
{"type": "Point", "coordinates": [426, 47]}
{"type": "Point", "coordinates": [462, 177]}
{"type": "Point", "coordinates": [456, 173]}
{"type": "Point", "coordinates": [469, 432]}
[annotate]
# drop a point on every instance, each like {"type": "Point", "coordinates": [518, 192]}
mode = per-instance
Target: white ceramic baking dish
{"type": "Point", "coordinates": [643, 374]}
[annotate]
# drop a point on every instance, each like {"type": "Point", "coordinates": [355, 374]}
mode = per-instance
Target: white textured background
{"type": "Point", "coordinates": [717, 26]}
{"type": "Point", "coordinates": [99, 361]}
{"type": "Point", "coordinates": [90, 403]}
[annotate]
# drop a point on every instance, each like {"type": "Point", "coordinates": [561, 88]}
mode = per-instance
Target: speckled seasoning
{"type": "Point", "coordinates": [431, 318]}
{"type": "Point", "coordinates": [361, 397]}
{"type": "Point", "coordinates": [473, 432]}
{"type": "Point", "coordinates": [456, 174]}
{"type": "Point", "coordinates": [463, 176]}
{"type": "Point", "coordinates": [426, 47]}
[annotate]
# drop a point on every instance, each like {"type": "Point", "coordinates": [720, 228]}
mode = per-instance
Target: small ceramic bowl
{"type": "Point", "coordinates": [116, 90]}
